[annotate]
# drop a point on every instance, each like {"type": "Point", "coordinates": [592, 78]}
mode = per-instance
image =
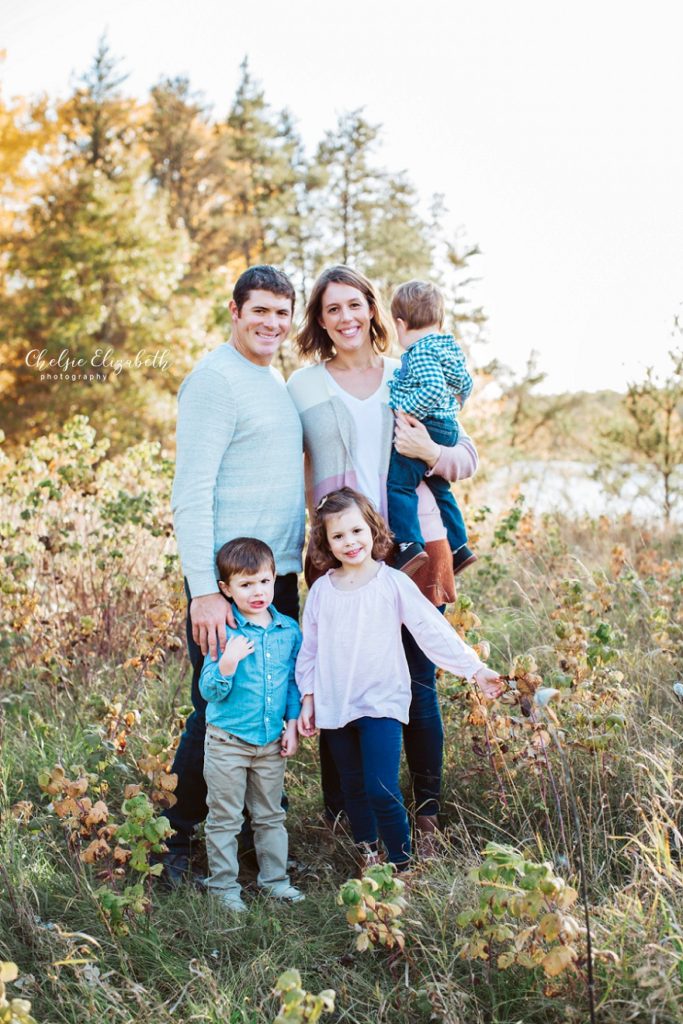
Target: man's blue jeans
{"type": "Point", "coordinates": [189, 759]}
{"type": "Point", "coordinates": [404, 476]}
{"type": "Point", "coordinates": [367, 754]}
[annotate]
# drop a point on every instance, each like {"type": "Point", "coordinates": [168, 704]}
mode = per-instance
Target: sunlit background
{"type": "Point", "coordinates": [553, 132]}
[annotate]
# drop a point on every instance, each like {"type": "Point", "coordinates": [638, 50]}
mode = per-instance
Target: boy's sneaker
{"type": "Point", "coordinates": [231, 901]}
{"type": "Point", "coordinates": [462, 558]}
{"type": "Point", "coordinates": [410, 557]}
{"type": "Point", "coordinates": [286, 892]}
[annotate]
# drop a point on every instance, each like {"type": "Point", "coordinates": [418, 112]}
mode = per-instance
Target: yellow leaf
{"type": "Point", "coordinates": [76, 788]}
{"type": "Point", "coordinates": [506, 960]}
{"type": "Point", "coordinates": [557, 960]}
{"type": "Point", "coordinates": [97, 814]}
{"type": "Point", "coordinates": [66, 808]}
{"type": "Point", "coordinates": [95, 851]}
{"type": "Point", "coordinates": [168, 781]}
{"type": "Point", "coordinates": [566, 897]}
{"type": "Point", "coordinates": [355, 915]}
{"type": "Point", "coordinates": [549, 927]}
{"type": "Point", "coordinates": [22, 810]}
{"type": "Point", "coordinates": [8, 971]}
{"type": "Point", "coordinates": [523, 937]}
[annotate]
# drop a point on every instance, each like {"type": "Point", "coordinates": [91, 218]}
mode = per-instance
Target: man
{"type": "Point", "coordinates": [239, 472]}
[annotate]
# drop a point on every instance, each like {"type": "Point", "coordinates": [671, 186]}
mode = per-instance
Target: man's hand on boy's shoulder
{"type": "Point", "coordinates": [209, 615]}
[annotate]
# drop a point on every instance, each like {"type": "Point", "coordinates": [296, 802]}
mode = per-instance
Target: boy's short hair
{"type": "Point", "coordinates": [265, 278]}
{"type": "Point", "coordinates": [418, 304]}
{"type": "Point", "coordinates": [243, 554]}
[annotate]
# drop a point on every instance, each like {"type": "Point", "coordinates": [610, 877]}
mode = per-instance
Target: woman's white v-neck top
{"type": "Point", "coordinates": [366, 414]}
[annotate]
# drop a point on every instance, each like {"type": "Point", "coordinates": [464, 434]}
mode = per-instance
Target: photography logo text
{"type": "Point", "coordinates": [96, 367]}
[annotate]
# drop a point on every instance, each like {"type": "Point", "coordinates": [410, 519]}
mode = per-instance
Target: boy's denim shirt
{"type": "Point", "coordinates": [252, 703]}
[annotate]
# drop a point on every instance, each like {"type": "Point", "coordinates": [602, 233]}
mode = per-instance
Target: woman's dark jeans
{"type": "Point", "coordinates": [188, 763]}
{"type": "Point", "coordinates": [422, 739]}
{"type": "Point", "coordinates": [367, 753]}
{"type": "Point", "coordinates": [423, 736]}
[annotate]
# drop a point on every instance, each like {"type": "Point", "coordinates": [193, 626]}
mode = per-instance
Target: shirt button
{"type": "Point", "coordinates": [267, 654]}
{"type": "Point", "coordinates": [269, 677]}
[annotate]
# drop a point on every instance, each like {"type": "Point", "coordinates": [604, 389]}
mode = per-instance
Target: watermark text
{"type": "Point", "coordinates": [104, 361]}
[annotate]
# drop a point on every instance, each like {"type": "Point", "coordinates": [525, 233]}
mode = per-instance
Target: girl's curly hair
{"type": "Point", "coordinates": [331, 505]}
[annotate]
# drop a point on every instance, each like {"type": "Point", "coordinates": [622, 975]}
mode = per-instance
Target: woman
{"type": "Point", "coordinates": [348, 426]}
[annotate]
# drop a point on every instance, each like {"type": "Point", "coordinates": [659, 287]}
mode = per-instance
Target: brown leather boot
{"type": "Point", "coordinates": [427, 844]}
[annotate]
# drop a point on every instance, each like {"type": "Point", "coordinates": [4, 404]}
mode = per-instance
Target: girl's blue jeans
{"type": "Point", "coordinates": [367, 755]}
{"type": "Point", "coordinates": [422, 738]}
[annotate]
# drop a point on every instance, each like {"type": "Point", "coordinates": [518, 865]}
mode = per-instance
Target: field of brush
{"type": "Point", "coordinates": [561, 860]}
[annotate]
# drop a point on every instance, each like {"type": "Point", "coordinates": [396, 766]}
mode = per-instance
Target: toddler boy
{"type": "Point", "coordinates": [432, 385]}
{"type": "Point", "coordinates": [250, 691]}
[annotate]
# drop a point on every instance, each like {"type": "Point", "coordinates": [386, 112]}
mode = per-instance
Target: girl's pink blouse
{"type": "Point", "coordinates": [352, 658]}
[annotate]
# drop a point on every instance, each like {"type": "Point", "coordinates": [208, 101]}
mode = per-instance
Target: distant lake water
{"type": "Point", "coordinates": [566, 486]}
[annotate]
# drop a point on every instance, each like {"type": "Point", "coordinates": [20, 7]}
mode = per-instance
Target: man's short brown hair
{"type": "Point", "coordinates": [243, 555]}
{"type": "Point", "coordinates": [262, 278]}
{"type": "Point", "coordinates": [418, 304]}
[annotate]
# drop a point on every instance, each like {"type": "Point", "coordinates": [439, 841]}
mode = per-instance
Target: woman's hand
{"type": "Point", "coordinates": [307, 717]}
{"type": "Point", "coordinates": [489, 682]}
{"type": "Point", "coordinates": [412, 439]}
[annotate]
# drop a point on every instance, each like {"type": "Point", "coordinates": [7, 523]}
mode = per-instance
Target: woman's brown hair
{"type": "Point", "coordinates": [331, 505]}
{"type": "Point", "coordinates": [314, 341]}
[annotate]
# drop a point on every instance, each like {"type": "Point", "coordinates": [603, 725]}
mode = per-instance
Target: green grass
{"type": "Point", "coordinates": [188, 960]}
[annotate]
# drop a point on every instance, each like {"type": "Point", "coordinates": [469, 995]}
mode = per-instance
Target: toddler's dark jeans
{"type": "Point", "coordinates": [404, 476]}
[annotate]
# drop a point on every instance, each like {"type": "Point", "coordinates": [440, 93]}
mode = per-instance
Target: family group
{"type": "Point", "coordinates": [372, 445]}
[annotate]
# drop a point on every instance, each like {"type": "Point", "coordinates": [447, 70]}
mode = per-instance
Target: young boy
{"type": "Point", "coordinates": [432, 385]}
{"type": "Point", "coordinates": [250, 690]}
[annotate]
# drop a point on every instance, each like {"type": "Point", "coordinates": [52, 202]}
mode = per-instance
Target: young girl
{"type": "Point", "coordinates": [351, 669]}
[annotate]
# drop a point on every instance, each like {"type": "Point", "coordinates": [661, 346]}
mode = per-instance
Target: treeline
{"type": "Point", "coordinates": [126, 222]}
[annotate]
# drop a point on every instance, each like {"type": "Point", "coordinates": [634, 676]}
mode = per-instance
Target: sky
{"type": "Point", "coordinates": [553, 131]}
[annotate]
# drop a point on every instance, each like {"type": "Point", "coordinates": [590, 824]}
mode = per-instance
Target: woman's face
{"type": "Point", "coordinates": [346, 316]}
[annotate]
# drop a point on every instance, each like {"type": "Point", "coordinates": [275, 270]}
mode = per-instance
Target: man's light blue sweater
{"type": "Point", "coordinates": [239, 467]}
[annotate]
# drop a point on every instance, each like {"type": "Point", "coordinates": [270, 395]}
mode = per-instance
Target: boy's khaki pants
{"type": "Point", "coordinates": [239, 773]}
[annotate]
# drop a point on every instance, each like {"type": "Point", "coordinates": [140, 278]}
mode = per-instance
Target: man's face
{"type": "Point", "coordinates": [262, 325]}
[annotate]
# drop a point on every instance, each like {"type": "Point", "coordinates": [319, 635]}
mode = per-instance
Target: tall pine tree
{"type": "Point", "coordinates": [93, 271]}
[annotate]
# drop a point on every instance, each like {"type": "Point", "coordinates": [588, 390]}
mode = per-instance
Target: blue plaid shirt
{"type": "Point", "coordinates": [432, 379]}
{"type": "Point", "coordinates": [252, 703]}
